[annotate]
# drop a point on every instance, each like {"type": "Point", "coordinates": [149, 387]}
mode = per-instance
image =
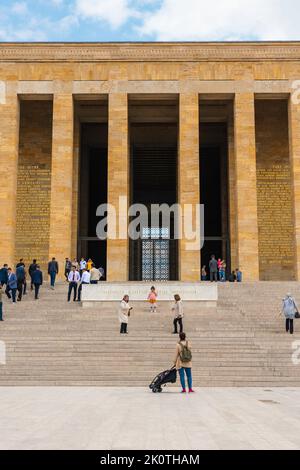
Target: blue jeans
{"type": "Point", "coordinates": [13, 293]}
{"type": "Point", "coordinates": [52, 278]}
{"type": "Point", "coordinates": [1, 311]}
{"type": "Point", "coordinates": [188, 372]}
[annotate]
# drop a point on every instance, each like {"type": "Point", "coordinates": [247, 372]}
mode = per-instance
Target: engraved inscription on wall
{"type": "Point", "coordinates": [274, 192]}
{"type": "Point", "coordinates": [33, 212]}
{"type": "Point", "coordinates": [34, 182]}
{"type": "Point", "coordinates": [275, 228]}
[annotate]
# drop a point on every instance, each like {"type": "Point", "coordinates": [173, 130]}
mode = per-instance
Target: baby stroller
{"type": "Point", "coordinates": [168, 376]}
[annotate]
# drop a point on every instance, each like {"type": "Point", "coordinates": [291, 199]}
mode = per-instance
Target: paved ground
{"type": "Point", "coordinates": [134, 418]}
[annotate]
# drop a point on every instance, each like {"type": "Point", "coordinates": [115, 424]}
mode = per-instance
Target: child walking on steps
{"type": "Point", "coordinates": [152, 299]}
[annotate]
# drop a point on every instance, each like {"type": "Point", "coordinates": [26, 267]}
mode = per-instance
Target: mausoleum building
{"type": "Point", "coordinates": [216, 124]}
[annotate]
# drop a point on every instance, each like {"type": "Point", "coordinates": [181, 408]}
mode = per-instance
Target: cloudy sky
{"type": "Point", "coordinates": [149, 20]}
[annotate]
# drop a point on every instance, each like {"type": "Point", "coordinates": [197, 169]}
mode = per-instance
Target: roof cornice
{"type": "Point", "coordinates": [150, 52]}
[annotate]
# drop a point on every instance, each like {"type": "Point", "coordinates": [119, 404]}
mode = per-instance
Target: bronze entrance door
{"type": "Point", "coordinates": [154, 256]}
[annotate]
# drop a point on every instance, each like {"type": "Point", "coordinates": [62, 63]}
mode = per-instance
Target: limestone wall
{"type": "Point", "coordinates": [274, 192]}
{"type": "Point", "coordinates": [34, 181]}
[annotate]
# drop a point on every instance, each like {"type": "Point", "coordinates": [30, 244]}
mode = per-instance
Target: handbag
{"type": "Point", "coordinates": [297, 315]}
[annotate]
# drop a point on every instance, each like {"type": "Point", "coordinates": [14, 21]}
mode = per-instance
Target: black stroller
{"type": "Point", "coordinates": [168, 376]}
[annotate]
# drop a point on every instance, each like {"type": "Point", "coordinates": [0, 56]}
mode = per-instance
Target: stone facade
{"type": "Point", "coordinates": [244, 75]}
{"type": "Point", "coordinates": [34, 181]}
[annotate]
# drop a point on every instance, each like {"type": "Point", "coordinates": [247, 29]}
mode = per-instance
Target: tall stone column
{"type": "Point", "coordinates": [118, 184]}
{"type": "Point", "coordinates": [189, 185]}
{"type": "Point", "coordinates": [232, 189]}
{"type": "Point", "coordinates": [294, 136]}
{"type": "Point", "coordinates": [9, 143]}
{"type": "Point", "coordinates": [246, 196]}
{"type": "Point", "coordinates": [60, 243]}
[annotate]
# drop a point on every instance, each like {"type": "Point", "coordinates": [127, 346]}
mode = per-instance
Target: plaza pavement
{"type": "Point", "coordinates": [102, 418]}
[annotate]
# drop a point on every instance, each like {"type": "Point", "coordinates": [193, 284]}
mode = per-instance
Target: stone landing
{"type": "Point", "coordinates": [205, 292]}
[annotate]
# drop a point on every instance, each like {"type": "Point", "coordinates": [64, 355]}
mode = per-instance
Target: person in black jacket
{"type": "Point", "coordinates": [20, 273]}
{"type": "Point", "coordinates": [52, 271]}
{"type": "Point", "coordinates": [37, 280]}
{"type": "Point", "coordinates": [31, 270]}
{"type": "Point", "coordinates": [24, 284]}
{"type": "Point", "coordinates": [4, 275]}
{"type": "Point", "coordinates": [68, 267]}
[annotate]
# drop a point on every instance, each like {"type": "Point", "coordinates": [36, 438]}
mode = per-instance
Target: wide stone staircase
{"type": "Point", "coordinates": [242, 342]}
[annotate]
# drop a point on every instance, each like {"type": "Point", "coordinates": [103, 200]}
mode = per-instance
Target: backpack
{"type": "Point", "coordinates": [186, 353]}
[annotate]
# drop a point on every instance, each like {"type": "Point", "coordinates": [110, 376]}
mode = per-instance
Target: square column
{"type": "Point", "coordinates": [232, 189]}
{"type": "Point", "coordinates": [118, 186]}
{"type": "Point", "coordinates": [60, 243]}
{"type": "Point", "coordinates": [9, 149]}
{"type": "Point", "coordinates": [246, 195]}
{"type": "Point", "coordinates": [294, 137]}
{"type": "Point", "coordinates": [189, 185]}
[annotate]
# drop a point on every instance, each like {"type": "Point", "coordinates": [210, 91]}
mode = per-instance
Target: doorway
{"type": "Point", "coordinates": [153, 257]}
{"type": "Point", "coordinates": [93, 191]}
{"type": "Point", "coordinates": [214, 193]}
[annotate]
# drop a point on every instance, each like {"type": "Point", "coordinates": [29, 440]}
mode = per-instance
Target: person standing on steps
{"type": "Point", "coordinates": [177, 309]}
{"type": "Point", "coordinates": [213, 269]}
{"type": "Point", "coordinates": [1, 304]}
{"type": "Point", "coordinates": [152, 299]}
{"type": "Point", "coordinates": [239, 275]}
{"type": "Point", "coordinates": [89, 264]}
{"type": "Point", "coordinates": [68, 267]}
{"type": "Point", "coordinates": [21, 276]}
{"type": "Point", "coordinates": [183, 362]}
{"type": "Point", "coordinates": [3, 275]}
{"type": "Point", "coordinates": [74, 279]}
{"type": "Point", "coordinates": [95, 274]}
{"type": "Point", "coordinates": [85, 279]}
{"type": "Point", "coordinates": [203, 273]}
{"type": "Point", "coordinates": [124, 314]}
{"type": "Point", "coordinates": [37, 279]}
{"type": "Point", "coordinates": [52, 272]}
{"type": "Point", "coordinates": [12, 285]}
{"type": "Point", "coordinates": [289, 310]}
{"type": "Point", "coordinates": [82, 265]}
{"type": "Point", "coordinates": [31, 270]}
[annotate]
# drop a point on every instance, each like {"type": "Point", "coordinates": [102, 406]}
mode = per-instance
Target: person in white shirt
{"type": "Point", "coordinates": [177, 309]}
{"type": "Point", "coordinates": [82, 265]}
{"type": "Point", "coordinates": [124, 313]}
{"type": "Point", "coordinates": [85, 279]}
{"type": "Point", "coordinates": [95, 275]}
{"type": "Point", "coordinates": [73, 279]}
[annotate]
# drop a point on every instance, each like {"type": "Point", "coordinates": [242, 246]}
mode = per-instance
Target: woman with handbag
{"type": "Point", "coordinates": [290, 311]}
{"type": "Point", "coordinates": [177, 310]}
{"type": "Point", "coordinates": [124, 314]}
{"type": "Point", "coordinates": [183, 362]}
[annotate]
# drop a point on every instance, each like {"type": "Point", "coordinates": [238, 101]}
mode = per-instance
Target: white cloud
{"type": "Point", "coordinates": [19, 8]}
{"type": "Point", "coordinates": [223, 20]}
{"type": "Point", "coordinates": [115, 12]}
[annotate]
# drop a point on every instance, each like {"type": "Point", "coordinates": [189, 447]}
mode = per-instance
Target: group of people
{"type": "Point", "coordinates": [183, 355]}
{"type": "Point", "coordinates": [80, 266]}
{"type": "Point", "coordinates": [15, 282]}
{"type": "Point", "coordinates": [79, 274]}
{"type": "Point", "coordinates": [217, 272]}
